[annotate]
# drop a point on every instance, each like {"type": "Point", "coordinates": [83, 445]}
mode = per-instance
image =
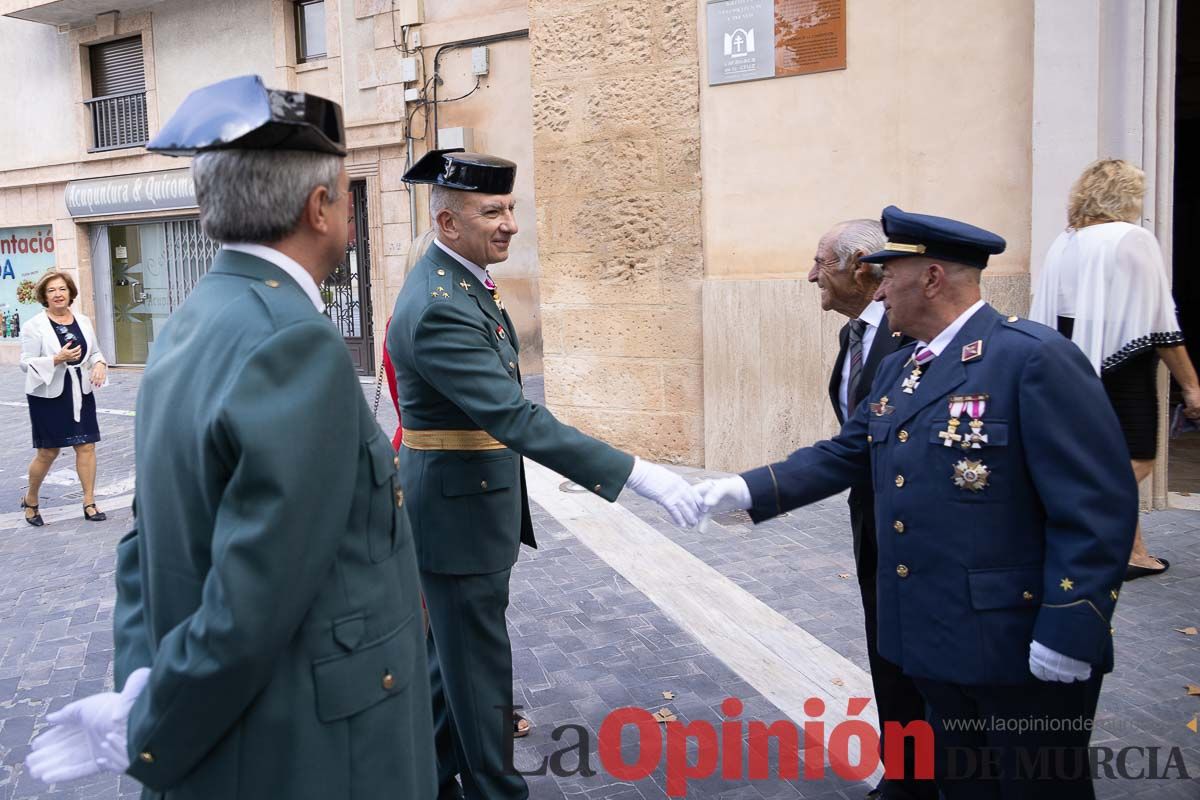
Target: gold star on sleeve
{"type": "Point", "coordinates": [1067, 584]}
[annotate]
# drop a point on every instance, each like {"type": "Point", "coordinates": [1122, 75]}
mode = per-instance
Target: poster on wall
{"type": "Point", "coordinates": [25, 253]}
{"type": "Point", "coordinates": [754, 39]}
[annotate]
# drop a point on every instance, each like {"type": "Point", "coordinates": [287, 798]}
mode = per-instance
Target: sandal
{"type": "Point", "coordinates": [99, 516]}
{"type": "Point", "coordinates": [1135, 571]}
{"type": "Point", "coordinates": [521, 726]}
{"type": "Point", "coordinates": [36, 520]}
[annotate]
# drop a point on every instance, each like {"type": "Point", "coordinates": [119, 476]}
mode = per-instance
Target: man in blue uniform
{"type": "Point", "coordinates": [268, 638]}
{"type": "Point", "coordinates": [1002, 483]}
{"type": "Point", "coordinates": [467, 426]}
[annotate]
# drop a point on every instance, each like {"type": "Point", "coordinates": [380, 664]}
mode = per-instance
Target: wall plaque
{"type": "Point", "coordinates": [753, 39]}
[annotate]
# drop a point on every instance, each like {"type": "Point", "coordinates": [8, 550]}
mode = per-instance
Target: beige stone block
{"type": "Point", "coordinates": [395, 207]}
{"type": "Point", "coordinates": [387, 31]}
{"type": "Point", "coordinates": [662, 437]}
{"type": "Point", "coordinates": [391, 174]}
{"type": "Point", "coordinates": [64, 229]}
{"type": "Point", "coordinates": [617, 384]}
{"type": "Point", "coordinates": [633, 332]}
{"type": "Point", "coordinates": [66, 254]}
{"type": "Point", "coordinates": [683, 387]}
{"type": "Point", "coordinates": [631, 102]}
{"type": "Point", "coordinates": [396, 239]}
{"type": "Point", "coordinates": [368, 8]}
{"type": "Point", "coordinates": [393, 273]}
{"type": "Point", "coordinates": [106, 24]}
{"type": "Point", "coordinates": [584, 279]}
{"type": "Point", "coordinates": [628, 39]}
{"type": "Point", "coordinates": [568, 43]}
{"type": "Point", "coordinates": [677, 40]}
{"type": "Point", "coordinates": [1009, 294]}
{"type": "Point", "coordinates": [681, 160]}
{"type": "Point", "coordinates": [30, 213]}
{"type": "Point", "coordinates": [555, 109]}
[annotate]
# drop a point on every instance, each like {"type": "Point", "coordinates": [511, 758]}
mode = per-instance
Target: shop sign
{"type": "Point", "coordinates": [132, 194]}
{"type": "Point", "coordinates": [25, 253]}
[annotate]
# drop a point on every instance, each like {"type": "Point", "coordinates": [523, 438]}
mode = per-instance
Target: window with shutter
{"type": "Point", "coordinates": [118, 103]}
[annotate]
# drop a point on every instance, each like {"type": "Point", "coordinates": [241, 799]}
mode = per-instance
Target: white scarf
{"type": "Point", "coordinates": [1122, 303]}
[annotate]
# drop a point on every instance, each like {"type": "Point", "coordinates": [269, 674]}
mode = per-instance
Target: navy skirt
{"type": "Point", "coordinates": [53, 419]}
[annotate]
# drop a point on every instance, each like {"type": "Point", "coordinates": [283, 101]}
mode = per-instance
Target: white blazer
{"type": "Point", "coordinates": [44, 378]}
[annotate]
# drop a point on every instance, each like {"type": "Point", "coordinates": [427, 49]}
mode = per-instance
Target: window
{"type": "Point", "coordinates": [310, 30]}
{"type": "Point", "coordinates": [118, 102]}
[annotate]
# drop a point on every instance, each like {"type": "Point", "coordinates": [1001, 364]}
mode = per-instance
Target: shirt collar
{"type": "Point", "coordinates": [480, 273]}
{"type": "Point", "coordinates": [289, 265]}
{"type": "Point", "coordinates": [944, 338]}
{"type": "Point", "coordinates": [873, 313]}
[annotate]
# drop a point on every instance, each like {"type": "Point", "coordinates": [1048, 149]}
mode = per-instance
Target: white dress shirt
{"type": "Point", "coordinates": [289, 265]}
{"type": "Point", "coordinates": [943, 339]}
{"type": "Point", "coordinates": [480, 273]}
{"type": "Point", "coordinates": [872, 315]}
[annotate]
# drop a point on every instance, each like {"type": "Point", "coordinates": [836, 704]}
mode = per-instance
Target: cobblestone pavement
{"type": "Point", "coordinates": [584, 640]}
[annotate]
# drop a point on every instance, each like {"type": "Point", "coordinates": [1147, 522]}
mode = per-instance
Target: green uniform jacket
{"type": "Point", "coordinates": [269, 580]}
{"type": "Point", "coordinates": [455, 354]}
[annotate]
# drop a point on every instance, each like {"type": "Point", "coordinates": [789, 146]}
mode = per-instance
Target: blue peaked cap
{"type": "Point", "coordinates": [243, 114]}
{"type": "Point", "coordinates": [935, 237]}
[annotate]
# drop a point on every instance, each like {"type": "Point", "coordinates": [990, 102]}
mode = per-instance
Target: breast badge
{"type": "Point", "coordinates": [882, 408]}
{"type": "Point", "coordinates": [971, 475]}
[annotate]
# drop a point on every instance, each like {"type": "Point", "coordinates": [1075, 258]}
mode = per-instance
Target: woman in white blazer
{"type": "Point", "coordinates": [62, 363]}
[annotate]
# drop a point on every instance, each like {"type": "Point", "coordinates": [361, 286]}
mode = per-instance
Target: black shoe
{"type": "Point", "coordinates": [36, 520]}
{"type": "Point", "coordinates": [99, 516]}
{"type": "Point", "coordinates": [1134, 571]}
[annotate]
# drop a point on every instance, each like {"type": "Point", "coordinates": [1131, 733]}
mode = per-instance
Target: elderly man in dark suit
{"type": "Point", "coordinates": [848, 285]}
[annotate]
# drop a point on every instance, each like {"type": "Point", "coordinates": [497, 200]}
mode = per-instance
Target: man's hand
{"type": "Point", "coordinates": [667, 489]}
{"type": "Point", "coordinates": [724, 494]}
{"type": "Point", "coordinates": [88, 736]}
{"type": "Point", "coordinates": [1050, 665]}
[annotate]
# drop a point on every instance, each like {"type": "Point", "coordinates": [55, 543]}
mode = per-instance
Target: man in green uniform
{"type": "Point", "coordinates": [268, 632]}
{"type": "Point", "coordinates": [466, 427]}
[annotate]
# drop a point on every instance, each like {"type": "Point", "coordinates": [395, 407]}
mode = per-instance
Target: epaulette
{"type": "Point", "coordinates": [441, 285]}
{"type": "Point", "coordinates": [1028, 327]}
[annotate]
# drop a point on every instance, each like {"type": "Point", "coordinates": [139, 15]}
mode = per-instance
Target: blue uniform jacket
{"type": "Point", "coordinates": [968, 577]}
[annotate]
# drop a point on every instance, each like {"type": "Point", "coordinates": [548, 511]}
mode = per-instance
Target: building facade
{"type": "Point", "coordinates": [668, 220]}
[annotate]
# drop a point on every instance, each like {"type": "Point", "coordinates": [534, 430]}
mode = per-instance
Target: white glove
{"type": "Point", "coordinates": [667, 489]}
{"type": "Point", "coordinates": [1050, 665]}
{"type": "Point", "coordinates": [724, 494]}
{"type": "Point", "coordinates": [88, 736]}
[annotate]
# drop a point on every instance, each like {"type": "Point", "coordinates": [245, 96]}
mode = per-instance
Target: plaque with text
{"type": "Point", "coordinates": [754, 39]}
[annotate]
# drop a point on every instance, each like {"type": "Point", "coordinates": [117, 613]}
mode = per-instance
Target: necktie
{"type": "Point", "coordinates": [854, 352]}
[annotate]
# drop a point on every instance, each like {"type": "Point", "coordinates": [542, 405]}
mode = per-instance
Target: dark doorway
{"type": "Point", "coordinates": [1183, 467]}
{"type": "Point", "coordinates": [347, 292]}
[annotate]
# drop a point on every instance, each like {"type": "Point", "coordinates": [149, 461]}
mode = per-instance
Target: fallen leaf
{"type": "Point", "coordinates": [664, 715]}
{"type": "Point", "coordinates": [1184, 494]}
{"type": "Point", "coordinates": [843, 575]}
{"type": "Point", "coordinates": [668, 695]}
{"type": "Point", "coordinates": [1193, 691]}
{"type": "Point", "coordinates": [838, 682]}
{"type": "Point", "coordinates": [1188, 631]}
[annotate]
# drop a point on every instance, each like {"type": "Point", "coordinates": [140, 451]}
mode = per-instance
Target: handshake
{"type": "Point", "coordinates": [687, 504]}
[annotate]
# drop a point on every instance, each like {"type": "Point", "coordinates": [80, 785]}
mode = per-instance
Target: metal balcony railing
{"type": "Point", "coordinates": [119, 120]}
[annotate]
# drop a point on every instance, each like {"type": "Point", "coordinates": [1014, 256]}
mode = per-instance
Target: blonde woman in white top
{"type": "Point", "coordinates": [1104, 286]}
{"type": "Point", "coordinates": [62, 363]}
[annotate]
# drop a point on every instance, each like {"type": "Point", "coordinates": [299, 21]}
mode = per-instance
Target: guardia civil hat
{"type": "Point", "coordinates": [911, 234]}
{"type": "Point", "coordinates": [469, 172]}
{"type": "Point", "coordinates": [243, 114]}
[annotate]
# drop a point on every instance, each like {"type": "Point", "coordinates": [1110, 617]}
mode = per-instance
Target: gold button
{"type": "Point", "coordinates": [483, 484]}
{"type": "Point", "coordinates": [596, 488]}
{"type": "Point", "coordinates": [389, 682]}
{"type": "Point", "coordinates": [147, 757]}
{"type": "Point", "coordinates": [396, 461]}
{"type": "Point", "coordinates": [1111, 631]}
{"type": "Point", "coordinates": [441, 272]}
{"type": "Point", "coordinates": [512, 365]}
{"type": "Point", "coordinates": [274, 284]}
{"type": "Point", "coordinates": [902, 436]}
{"type": "Point", "coordinates": [399, 498]}
{"type": "Point", "coordinates": [902, 571]}
{"type": "Point", "coordinates": [870, 438]}
{"type": "Point", "coordinates": [899, 481]}
{"type": "Point", "coordinates": [899, 526]}
{"type": "Point", "coordinates": [1013, 318]}
{"type": "Point", "coordinates": [1027, 595]}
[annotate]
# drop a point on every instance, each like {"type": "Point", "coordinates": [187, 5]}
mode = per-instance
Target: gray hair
{"type": "Point", "coordinates": [442, 198]}
{"type": "Point", "coordinates": [859, 235]}
{"type": "Point", "coordinates": [258, 196]}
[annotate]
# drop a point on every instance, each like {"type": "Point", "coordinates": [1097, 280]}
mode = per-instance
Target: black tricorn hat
{"type": "Point", "coordinates": [243, 114]}
{"type": "Point", "coordinates": [469, 172]}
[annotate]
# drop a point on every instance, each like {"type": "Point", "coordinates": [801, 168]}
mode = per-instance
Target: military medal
{"type": "Point", "coordinates": [971, 475]}
{"type": "Point", "coordinates": [500, 332]}
{"type": "Point", "coordinates": [951, 434]}
{"type": "Point", "coordinates": [882, 408]}
{"type": "Point", "coordinates": [974, 405]}
{"type": "Point", "coordinates": [918, 361]}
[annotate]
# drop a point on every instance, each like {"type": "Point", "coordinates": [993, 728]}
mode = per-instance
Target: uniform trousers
{"type": "Point", "coordinates": [470, 666]}
{"type": "Point", "coordinates": [981, 753]}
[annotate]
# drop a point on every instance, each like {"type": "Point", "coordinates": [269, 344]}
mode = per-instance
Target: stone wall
{"type": "Point", "coordinates": [617, 163]}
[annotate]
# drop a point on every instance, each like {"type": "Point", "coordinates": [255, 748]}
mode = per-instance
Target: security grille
{"type": "Point", "coordinates": [118, 104]}
{"type": "Point", "coordinates": [189, 255]}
